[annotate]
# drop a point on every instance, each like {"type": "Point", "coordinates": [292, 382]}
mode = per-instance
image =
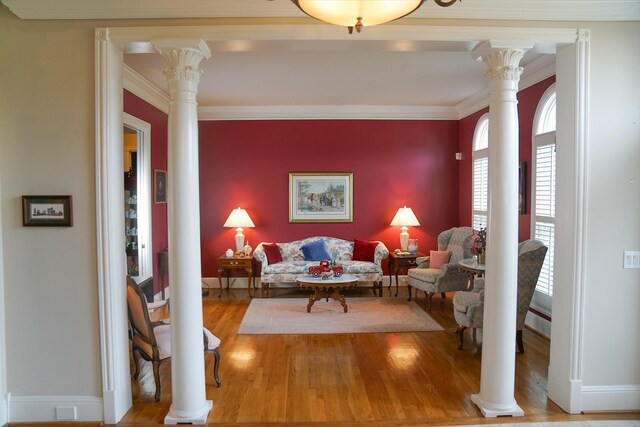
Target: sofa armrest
{"type": "Point", "coordinates": [260, 255]}
{"type": "Point", "coordinates": [380, 253]}
{"type": "Point", "coordinates": [423, 262]}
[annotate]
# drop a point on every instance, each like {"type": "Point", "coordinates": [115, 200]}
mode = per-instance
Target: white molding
{"type": "Point", "coordinates": [4, 409]}
{"type": "Point", "coordinates": [144, 89]}
{"type": "Point", "coordinates": [321, 112]}
{"type": "Point", "coordinates": [611, 398]}
{"type": "Point", "coordinates": [539, 10]}
{"type": "Point", "coordinates": [114, 346]}
{"type": "Point", "coordinates": [43, 408]}
{"type": "Point", "coordinates": [538, 324]}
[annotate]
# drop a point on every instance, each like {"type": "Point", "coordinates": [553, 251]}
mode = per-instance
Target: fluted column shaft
{"type": "Point", "coordinates": [496, 396]}
{"type": "Point", "coordinates": [189, 404]}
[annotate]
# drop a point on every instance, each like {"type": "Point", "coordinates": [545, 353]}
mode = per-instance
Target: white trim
{"type": "Point", "coordinates": [567, 336]}
{"type": "Point", "coordinates": [320, 112]}
{"type": "Point", "coordinates": [4, 409]}
{"type": "Point", "coordinates": [537, 323]}
{"type": "Point", "coordinates": [114, 346]}
{"type": "Point", "coordinates": [43, 408]}
{"type": "Point", "coordinates": [534, 10]}
{"type": "Point", "coordinates": [611, 398]}
{"type": "Point", "coordinates": [144, 89]}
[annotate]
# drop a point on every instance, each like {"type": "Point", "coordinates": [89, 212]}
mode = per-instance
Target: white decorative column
{"type": "Point", "coordinates": [189, 404]}
{"type": "Point", "coordinates": [497, 390]}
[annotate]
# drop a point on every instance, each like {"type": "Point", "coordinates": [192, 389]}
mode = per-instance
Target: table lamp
{"type": "Point", "coordinates": [239, 219]}
{"type": "Point", "coordinates": [404, 217]}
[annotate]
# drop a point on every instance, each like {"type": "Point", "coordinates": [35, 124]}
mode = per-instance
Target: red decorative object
{"type": "Point", "coordinates": [364, 250]}
{"type": "Point", "coordinates": [479, 242]}
{"type": "Point", "coordinates": [325, 269]}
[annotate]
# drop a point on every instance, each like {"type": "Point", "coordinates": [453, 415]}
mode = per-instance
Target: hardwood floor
{"type": "Point", "coordinates": [351, 379]}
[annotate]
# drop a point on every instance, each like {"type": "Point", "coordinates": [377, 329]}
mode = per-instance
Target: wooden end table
{"type": "Point", "coordinates": [397, 262]}
{"type": "Point", "coordinates": [329, 288]}
{"type": "Point", "coordinates": [236, 262]}
{"type": "Point", "coordinates": [472, 268]}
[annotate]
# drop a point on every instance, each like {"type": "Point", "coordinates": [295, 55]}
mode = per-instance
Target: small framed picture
{"type": "Point", "coordinates": [47, 211]}
{"type": "Point", "coordinates": [160, 185]}
{"type": "Point", "coordinates": [321, 197]}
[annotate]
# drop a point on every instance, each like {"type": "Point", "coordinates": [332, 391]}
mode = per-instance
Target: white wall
{"type": "Point", "coordinates": [47, 147]}
{"type": "Point", "coordinates": [611, 364]}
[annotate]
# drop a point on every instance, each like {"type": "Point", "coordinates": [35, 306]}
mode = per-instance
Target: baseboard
{"type": "Point", "coordinates": [611, 398]}
{"type": "Point", "coordinates": [54, 408]}
{"type": "Point", "coordinates": [538, 324]}
{"type": "Point", "coordinates": [241, 282]}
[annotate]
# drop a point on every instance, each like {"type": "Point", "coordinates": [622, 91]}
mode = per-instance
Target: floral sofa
{"type": "Point", "coordinates": [293, 264]}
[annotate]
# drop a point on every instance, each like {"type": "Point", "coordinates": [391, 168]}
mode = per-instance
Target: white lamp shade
{"type": "Point", "coordinates": [347, 12]}
{"type": "Point", "coordinates": [239, 218]}
{"type": "Point", "coordinates": [404, 217]}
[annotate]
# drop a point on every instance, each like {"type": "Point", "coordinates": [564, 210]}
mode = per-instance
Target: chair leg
{"type": "Point", "coordinates": [519, 341]}
{"type": "Point", "coordinates": [136, 363]}
{"type": "Point", "coordinates": [443, 295]}
{"type": "Point", "coordinates": [156, 376]}
{"type": "Point", "coordinates": [216, 364]}
{"type": "Point", "coordinates": [429, 296]}
{"type": "Point", "coordinates": [460, 332]}
{"type": "Point", "coordinates": [409, 289]}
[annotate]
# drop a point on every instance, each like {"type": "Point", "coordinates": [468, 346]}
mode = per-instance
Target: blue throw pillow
{"type": "Point", "coordinates": [315, 251]}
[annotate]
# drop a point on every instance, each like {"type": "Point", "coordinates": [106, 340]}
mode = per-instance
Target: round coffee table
{"type": "Point", "coordinates": [327, 288]}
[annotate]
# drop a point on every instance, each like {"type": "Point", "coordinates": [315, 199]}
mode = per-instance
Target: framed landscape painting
{"type": "Point", "coordinates": [47, 211]}
{"type": "Point", "coordinates": [320, 197]}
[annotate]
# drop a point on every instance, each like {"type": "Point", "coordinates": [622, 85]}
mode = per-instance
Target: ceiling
{"type": "Point", "coordinates": [355, 70]}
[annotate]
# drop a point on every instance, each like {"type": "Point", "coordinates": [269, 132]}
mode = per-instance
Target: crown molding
{"type": "Point", "coordinates": [521, 10]}
{"type": "Point", "coordinates": [144, 89]}
{"type": "Point", "coordinates": [328, 112]}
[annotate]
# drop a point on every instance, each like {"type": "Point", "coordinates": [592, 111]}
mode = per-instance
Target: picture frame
{"type": "Point", "coordinates": [47, 211]}
{"type": "Point", "coordinates": [320, 197]}
{"type": "Point", "coordinates": [159, 186]}
{"type": "Point", "coordinates": [522, 188]}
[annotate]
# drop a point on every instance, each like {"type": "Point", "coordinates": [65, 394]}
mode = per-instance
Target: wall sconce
{"type": "Point", "coordinates": [404, 218]}
{"type": "Point", "coordinates": [239, 219]}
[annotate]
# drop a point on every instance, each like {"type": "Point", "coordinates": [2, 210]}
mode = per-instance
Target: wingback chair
{"type": "Point", "coordinates": [468, 307]}
{"type": "Point", "coordinates": [152, 340]}
{"type": "Point", "coordinates": [449, 277]}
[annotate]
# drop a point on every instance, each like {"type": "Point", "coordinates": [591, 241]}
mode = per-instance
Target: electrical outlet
{"type": "Point", "coordinates": [631, 259]}
{"type": "Point", "coordinates": [66, 413]}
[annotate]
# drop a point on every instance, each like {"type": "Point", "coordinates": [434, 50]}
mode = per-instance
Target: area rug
{"type": "Point", "coordinates": [280, 316]}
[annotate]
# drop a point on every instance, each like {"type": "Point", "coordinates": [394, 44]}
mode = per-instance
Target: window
{"type": "Point", "coordinates": [480, 172]}
{"type": "Point", "coordinates": [544, 191]}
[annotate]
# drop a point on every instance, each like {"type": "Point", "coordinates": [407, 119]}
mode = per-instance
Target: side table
{"type": "Point", "coordinates": [472, 268]}
{"type": "Point", "coordinates": [397, 262]}
{"type": "Point", "coordinates": [235, 262]}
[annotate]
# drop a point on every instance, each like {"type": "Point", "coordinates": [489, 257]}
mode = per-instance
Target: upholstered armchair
{"type": "Point", "coordinates": [449, 278]}
{"type": "Point", "coordinates": [468, 307]}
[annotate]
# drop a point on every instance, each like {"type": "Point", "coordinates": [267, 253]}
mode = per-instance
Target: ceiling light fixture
{"type": "Point", "coordinates": [359, 13]}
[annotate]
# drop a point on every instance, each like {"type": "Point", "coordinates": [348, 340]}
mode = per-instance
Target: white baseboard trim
{"type": "Point", "coordinates": [241, 282]}
{"type": "Point", "coordinates": [611, 398]}
{"type": "Point", "coordinates": [54, 408]}
{"type": "Point", "coordinates": [538, 324]}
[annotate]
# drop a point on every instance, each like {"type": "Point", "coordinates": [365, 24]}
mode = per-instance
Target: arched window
{"type": "Point", "coordinates": [543, 199]}
{"type": "Point", "coordinates": [481, 172]}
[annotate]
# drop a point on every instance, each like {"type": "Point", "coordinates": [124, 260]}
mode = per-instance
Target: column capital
{"type": "Point", "coordinates": [502, 58]}
{"type": "Point", "coordinates": [183, 58]}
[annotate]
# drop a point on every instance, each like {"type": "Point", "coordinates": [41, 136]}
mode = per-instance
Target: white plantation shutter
{"type": "Point", "coordinates": [480, 173]}
{"type": "Point", "coordinates": [480, 191]}
{"type": "Point", "coordinates": [544, 190]}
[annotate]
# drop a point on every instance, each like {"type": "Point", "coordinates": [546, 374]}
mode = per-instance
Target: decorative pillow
{"type": "Point", "coordinates": [364, 250]}
{"type": "Point", "coordinates": [272, 252]}
{"type": "Point", "coordinates": [437, 259]}
{"type": "Point", "coordinates": [315, 251]}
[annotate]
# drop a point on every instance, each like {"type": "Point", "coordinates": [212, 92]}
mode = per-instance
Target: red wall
{"type": "Point", "coordinates": [528, 100]}
{"type": "Point", "coordinates": [394, 163]}
{"type": "Point", "coordinates": [158, 120]}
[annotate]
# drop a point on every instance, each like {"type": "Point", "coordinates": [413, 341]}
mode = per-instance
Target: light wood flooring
{"type": "Point", "coordinates": [400, 379]}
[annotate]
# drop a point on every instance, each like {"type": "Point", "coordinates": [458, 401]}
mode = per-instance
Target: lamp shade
{"type": "Point", "coordinates": [405, 217]}
{"type": "Point", "coordinates": [348, 12]}
{"type": "Point", "coordinates": [239, 218]}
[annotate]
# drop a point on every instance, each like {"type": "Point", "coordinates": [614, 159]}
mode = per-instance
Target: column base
{"type": "Point", "coordinates": [490, 412]}
{"type": "Point", "coordinates": [174, 417]}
